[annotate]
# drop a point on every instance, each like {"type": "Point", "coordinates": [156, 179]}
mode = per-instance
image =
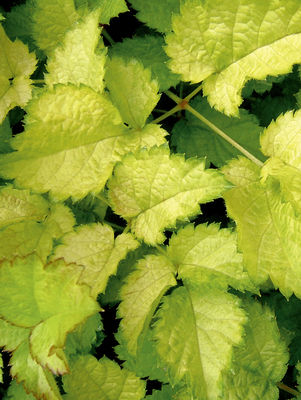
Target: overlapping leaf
{"type": "Point", "coordinates": [141, 295]}
{"type": "Point", "coordinates": [16, 65]}
{"type": "Point", "coordinates": [109, 8]}
{"type": "Point", "coordinates": [194, 138]}
{"type": "Point", "coordinates": [70, 145]}
{"type": "Point", "coordinates": [17, 391]}
{"type": "Point", "coordinates": [94, 247]}
{"type": "Point", "coordinates": [225, 44]}
{"type": "Point", "coordinates": [50, 21]}
{"type": "Point", "coordinates": [196, 331]}
{"type": "Point", "coordinates": [132, 90]}
{"type": "Point", "coordinates": [156, 14]}
{"type": "Point", "coordinates": [77, 61]}
{"type": "Point", "coordinates": [152, 189]}
{"type": "Point", "coordinates": [260, 362]}
{"type": "Point", "coordinates": [149, 50]}
{"type": "Point", "coordinates": [267, 228]}
{"type": "Point", "coordinates": [48, 301]}
{"type": "Point", "coordinates": [281, 141]}
{"type": "Point", "coordinates": [103, 380]}
{"type": "Point", "coordinates": [5, 136]}
{"type": "Point", "coordinates": [208, 255]}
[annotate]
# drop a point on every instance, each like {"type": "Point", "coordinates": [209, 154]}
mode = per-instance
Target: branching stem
{"type": "Point", "coordinates": [287, 389]}
{"type": "Point", "coordinates": [108, 36]}
{"type": "Point", "coordinates": [183, 103]}
{"type": "Point", "coordinates": [166, 114]}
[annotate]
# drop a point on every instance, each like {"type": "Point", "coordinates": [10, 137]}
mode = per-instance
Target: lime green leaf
{"type": "Point", "coordinates": [5, 136]}
{"type": "Point", "coordinates": [16, 65]}
{"type": "Point", "coordinates": [20, 205]}
{"type": "Point", "coordinates": [47, 299]}
{"type": "Point", "coordinates": [69, 149]}
{"type": "Point", "coordinates": [84, 337]}
{"type": "Point", "coordinates": [207, 254]}
{"type": "Point", "coordinates": [141, 295]}
{"type": "Point", "coordinates": [77, 60]}
{"type": "Point", "coordinates": [196, 331]}
{"type": "Point", "coordinates": [16, 391]}
{"type": "Point", "coordinates": [131, 90]}
{"type": "Point", "coordinates": [94, 247]}
{"type": "Point", "coordinates": [146, 362]}
{"type": "Point", "coordinates": [194, 138]}
{"type": "Point", "coordinates": [51, 20]}
{"type": "Point", "coordinates": [260, 361]}
{"type": "Point", "coordinates": [149, 51]}
{"type": "Point", "coordinates": [165, 393]}
{"type": "Point", "coordinates": [31, 231]}
{"type": "Point", "coordinates": [151, 190]}
{"type": "Point", "coordinates": [267, 227]}
{"type": "Point", "coordinates": [281, 141]}
{"type": "Point", "coordinates": [24, 368]}
{"type": "Point", "coordinates": [156, 14]}
{"type": "Point", "coordinates": [226, 44]}
{"type": "Point", "coordinates": [110, 9]}
{"type": "Point", "coordinates": [35, 378]}
{"type": "Point", "coordinates": [103, 380]}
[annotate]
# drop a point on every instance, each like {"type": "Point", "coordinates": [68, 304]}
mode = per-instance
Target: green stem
{"type": "Point", "coordinates": [215, 129]}
{"type": "Point", "coordinates": [108, 37]}
{"type": "Point", "coordinates": [288, 389]}
{"type": "Point", "coordinates": [224, 136]}
{"type": "Point", "coordinates": [193, 93]}
{"type": "Point", "coordinates": [38, 81]}
{"type": "Point", "coordinates": [102, 198]}
{"type": "Point", "coordinates": [166, 114]}
{"type": "Point", "coordinates": [115, 226]}
{"type": "Point", "coordinates": [126, 229]}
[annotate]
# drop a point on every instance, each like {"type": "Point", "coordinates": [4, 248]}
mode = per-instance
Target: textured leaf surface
{"type": "Point", "coordinates": [49, 301]}
{"type": "Point", "coordinates": [5, 136]}
{"type": "Point", "coordinates": [195, 332]}
{"type": "Point", "coordinates": [132, 90]}
{"type": "Point", "coordinates": [156, 14]}
{"type": "Point", "coordinates": [69, 145]}
{"type": "Point", "coordinates": [207, 254]}
{"type": "Point", "coordinates": [149, 51]}
{"type": "Point", "coordinates": [227, 43]}
{"type": "Point", "coordinates": [103, 380]}
{"type": "Point", "coordinates": [109, 8]}
{"type": "Point", "coordinates": [17, 391]}
{"type": "Point", "coordinates": [33, 232]}
{"type": "Point", "coordinates": [51, 20]}
{"type": "Point", "coordinates": [281, 141]}
{"type": "Point", "coordinates": [153, 189]}
{"type": "Point", "coordinates": [94, 247]}
{"type": "Point", "coordinates": [24, 368]}
{"type": "Point", "coordinates": [16, 65]}
{"type": "Point", "coordinates": [267, 228]}
{"type": "Point", "coordinates": [77, 61]}
{"type": "Point", "coordinates": [260, 362]}
{"type": "Point", "coordinates": [194, 138]}
{"type": "Point", "coordinates": [141, 295]}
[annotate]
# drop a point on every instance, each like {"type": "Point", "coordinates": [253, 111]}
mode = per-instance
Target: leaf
{"type": "Point", "coordinates": [94, 247]}
{"type": "Point", "coordinates": [267, 228]}
{"type": "Point", "coordinates": [156, 14]}
{"type": "Point", "coordinates": [109, 8]}
{"type": "Point", "coordinates": [47, 299]}
{"type": "Point", "coordinates": [194, 138]}
{"type": "Point", "coordinates": [149, 51]}
{"type": "Point", "coordinates": [31, 232]}
{"type": "Point", "coordinates": [17, 391]}
{"type": "Point", "coordinates": [78, 61]}
{"type": "Point", "coordinates": [281, 142]}
{"type": "Point", "coordinates": [141, 295]}
{"type": "Point", "coordinates": [51, 20]}
{"type": "Point", "coordinates": [131, 90]}
{"type": "Point", "coordinates": [24, 368]}
{"type": "Point", "coordinates": [68, 149]}
{"type": "Point", "coordinates": [196, 331]}
{"type": "Point", "coordinates": [81, 340]}
{"type": "Point", "coordinates": [5, 136]}
{"type": "Point", "coordinates": [103, 380]}
{"type": "Point", "coordinates": [226, 44]}
{"type": "Point", "coordinates": [16, 65]}
{"type": "Point", "coordinates": [260, 362]}
{"type": "Point", "coordinates": [207, 254]}
{"type": "Point", "coordinates": [153, 189]}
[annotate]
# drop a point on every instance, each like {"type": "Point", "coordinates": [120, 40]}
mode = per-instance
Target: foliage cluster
{"type": "Point", "coordinates": [150, 199]}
